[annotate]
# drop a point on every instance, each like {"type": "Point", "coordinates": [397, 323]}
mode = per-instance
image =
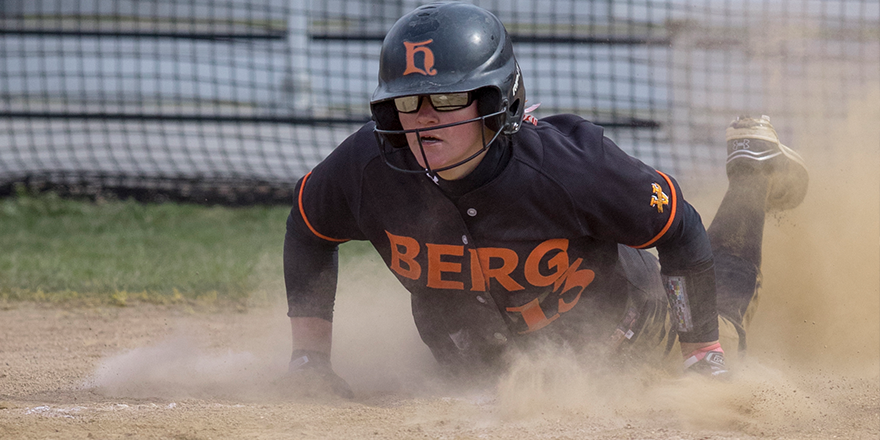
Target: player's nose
{"type": "Point", "coordinates": [427, 115]}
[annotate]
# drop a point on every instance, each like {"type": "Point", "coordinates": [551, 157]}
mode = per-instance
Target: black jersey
{"type": "Point", "coordinates": [534, 251]}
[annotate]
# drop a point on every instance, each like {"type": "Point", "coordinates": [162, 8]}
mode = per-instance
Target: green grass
{"type": "Point", "coordinates": [54, 249]}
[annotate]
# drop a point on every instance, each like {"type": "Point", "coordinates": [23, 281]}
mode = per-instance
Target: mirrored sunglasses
{"type": "Point", "coordinates": [442, 102]}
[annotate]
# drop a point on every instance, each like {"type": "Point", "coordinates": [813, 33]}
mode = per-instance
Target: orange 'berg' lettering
{"type": "Point", "coordinates": [411, 50]}
{"type": "Point", "coordinates": [414, 271]}
{"type": "Point", "coordinates": [560, 262]}
{"type": "Point", "coordinates": [564, 278]}
{"type": "Point", "coordinates": [478, 282]}
{"type": "Point", "coordinates": [436, 266]}
{"type": "Point", "coordinates": [502, 274]}
{"type": "Point", "coordinates": [533, 315]}
{"type": "Point", "coordinates": [575, 278]}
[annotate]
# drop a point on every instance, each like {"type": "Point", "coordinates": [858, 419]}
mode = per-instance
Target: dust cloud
{"type": "Point", "coordinates": [756, 399]}
{"type": "Point", "coordinates": [815, 336]}
{"type": "Point", "coordinates": [820, 305]}
{"type": "Point", "coordinates": [376, 349]}
{"type": "Point", "coordinates": [175, 368]}
{"type": "Point", "coordinates": [816, 331]}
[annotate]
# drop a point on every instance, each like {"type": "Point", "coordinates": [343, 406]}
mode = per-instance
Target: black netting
{"type": "Point", "coordinates": [233, 100]}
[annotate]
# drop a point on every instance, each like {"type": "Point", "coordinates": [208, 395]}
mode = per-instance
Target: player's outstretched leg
{"type": "Point", "coordinates": [764, 176]}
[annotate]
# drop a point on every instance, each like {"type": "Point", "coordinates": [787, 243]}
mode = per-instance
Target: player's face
{"type": "Point", "coordinates": [449, 145]}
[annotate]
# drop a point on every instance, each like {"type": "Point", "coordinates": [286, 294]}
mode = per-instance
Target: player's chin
{"type": "Point", "coordinates": [438, 158]}
{"type": "Point", "coordinates": [435, 164]}
{"type": "Point", "coordinates": [435, 156]}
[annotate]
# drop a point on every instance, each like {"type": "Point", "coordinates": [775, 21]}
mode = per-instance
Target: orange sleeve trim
{"type": "Point", "coordinates": [302, 212]}
{"type": "Point", "coordinates": [671, 213]}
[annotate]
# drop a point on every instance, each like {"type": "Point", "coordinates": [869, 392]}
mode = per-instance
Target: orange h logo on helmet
{"type": "Point", "coordinates": [411, 50]}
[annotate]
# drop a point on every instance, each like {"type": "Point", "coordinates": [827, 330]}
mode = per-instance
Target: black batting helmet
{"type": "Point", "coordinates": [449, 48]}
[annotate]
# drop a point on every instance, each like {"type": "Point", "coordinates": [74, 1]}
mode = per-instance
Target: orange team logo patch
{"type": "Point", "coordinates": [659, 198]}
{"type": "Point", "coordinates": [428, 56]}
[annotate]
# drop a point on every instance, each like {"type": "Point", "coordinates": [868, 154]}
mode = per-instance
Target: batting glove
{"type": "Point", "coordinates": [312, 373]}
{"type": "Point", "coordinates": [707, 361]}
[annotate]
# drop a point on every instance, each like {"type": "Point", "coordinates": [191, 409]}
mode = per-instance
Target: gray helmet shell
{"type": "Point", "coordinates": [449, 48]}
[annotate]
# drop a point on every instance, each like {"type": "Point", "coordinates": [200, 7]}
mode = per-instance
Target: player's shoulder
{"type": "Point", "coordinates": [575, 152]}
{"type": "Point", "coordinates": [569, 134]}
{"type": "Point", "coordinates": [344, 168]}
{"type": "Point", "coordinates": [627, 200]}
{"type": "Point", "coordinates": [560, 141]}
{"type": "Point", "coordinates": [353, 154]}
{"type": "Point", "coordinates": [358, 147]}
{"type": "Point", "coordinates": [568, 125]}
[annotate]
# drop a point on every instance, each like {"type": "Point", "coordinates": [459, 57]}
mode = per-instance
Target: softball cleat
{"type": "Point", "coordinates": [753, 146]}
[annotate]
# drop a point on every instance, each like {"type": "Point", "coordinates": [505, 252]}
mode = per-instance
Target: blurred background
{"type": "Point", "coordinates": [231, 101]}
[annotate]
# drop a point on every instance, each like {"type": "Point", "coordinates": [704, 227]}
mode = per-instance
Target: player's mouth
{"type": "Point", "coordinates": [429, 140]}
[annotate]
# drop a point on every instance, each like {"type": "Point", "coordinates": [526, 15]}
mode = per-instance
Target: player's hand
{"type": "Point", "coordinates": [311, 375]}
{"type": "Point", "coordinates": [707, 361]}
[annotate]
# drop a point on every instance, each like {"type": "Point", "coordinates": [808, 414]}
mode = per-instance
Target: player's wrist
{"type": "Point", "coordinates": [689, 349]}
{"type": "Point", "coordinates": [700, 349]}
{"type": "Point", "coordinates": [302, 358]}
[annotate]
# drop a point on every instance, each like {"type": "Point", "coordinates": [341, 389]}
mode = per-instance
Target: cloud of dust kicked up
{"type": "Point", "coordinates": [820, 305]}
{"type": "Point", "coordinates": [177, 368]}
{"type": "Point", "coordinates": [819, 314]}
{"type": "Point", "coordinates": [816, 328]}
{"type": "Point", "coordinates": [376, 349]}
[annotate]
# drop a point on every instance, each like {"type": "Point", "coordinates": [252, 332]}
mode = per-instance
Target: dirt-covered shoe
{"type": "Point", "coordinates": [753, 146]}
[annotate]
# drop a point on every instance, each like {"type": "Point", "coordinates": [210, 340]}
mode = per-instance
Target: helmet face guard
{"type": "Point", "coordinates": [446, 48]}
{"type": "Point", "coordinates": [399, 158]}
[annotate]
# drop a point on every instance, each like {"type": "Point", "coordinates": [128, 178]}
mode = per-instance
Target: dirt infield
{"type": "Point", "coordinates": [156, 372]}
{"type": "Point", "coordinates": [146, 371]}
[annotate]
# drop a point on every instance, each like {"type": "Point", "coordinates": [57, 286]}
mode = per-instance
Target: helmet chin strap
{"type": "Point", "coordinates": [431, 172]}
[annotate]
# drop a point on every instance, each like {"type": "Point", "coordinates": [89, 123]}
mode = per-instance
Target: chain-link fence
{"type": "Point", "coordinates": [233, 100]}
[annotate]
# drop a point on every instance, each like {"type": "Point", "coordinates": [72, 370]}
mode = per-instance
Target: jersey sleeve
{"type": "Point", "coordinates": [626, 201]}
{"type": "Point", "coordinates": [651, 206]}
{"type": "Point", "coordinates": [324, 215]}
{"type": "Point", "coordinates": [310, 271]}
{"type": "Point", "coordinates": [327, 198]}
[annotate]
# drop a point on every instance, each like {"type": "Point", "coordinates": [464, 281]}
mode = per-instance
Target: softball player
{"type": "Point", "coordinates": [511, 232]}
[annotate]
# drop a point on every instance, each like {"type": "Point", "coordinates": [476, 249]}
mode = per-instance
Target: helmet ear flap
{"type": "Point", "coordinates": [488, 102]}
{"type": "Point", "coordinates": [516, 111]}
{"type": "Point", "coordinates": [386, 118]}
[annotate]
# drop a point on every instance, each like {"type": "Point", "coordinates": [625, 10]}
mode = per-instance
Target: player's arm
{"type": "Point", "coordinates": [310, 276]}
{"type": "Point", "coordinates": [686, 255]}
{"type": "Point", "coordinates": [642, 207]}
{"type": "Point", "coordinates": [647, 209]}
{"type": "Point", "coordinates": [310, 273]}
{"type": "Point", "coordinates": [687, 265]}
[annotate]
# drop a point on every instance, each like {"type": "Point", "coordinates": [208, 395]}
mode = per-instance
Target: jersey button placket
{"type": "Point", "coordinates": [472, 212]}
